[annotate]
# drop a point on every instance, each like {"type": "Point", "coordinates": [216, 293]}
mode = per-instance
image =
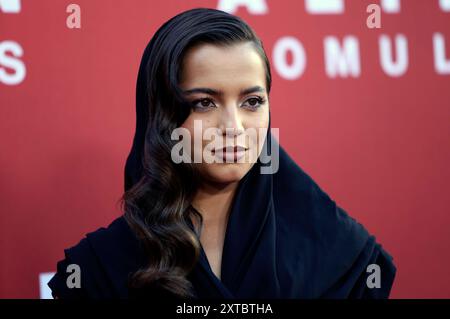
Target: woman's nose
{"type": "Point", "coordinates": [231, 122]}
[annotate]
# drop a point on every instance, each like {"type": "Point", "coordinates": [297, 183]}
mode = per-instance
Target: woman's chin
{"type": "Point", "coordinates": [227, 172]}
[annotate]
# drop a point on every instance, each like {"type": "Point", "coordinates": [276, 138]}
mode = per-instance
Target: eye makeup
{"type": "Point", "coordinates": [206, 103]}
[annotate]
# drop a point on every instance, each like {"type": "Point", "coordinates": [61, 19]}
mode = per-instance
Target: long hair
{"type": "Point", "coordinates": [157, 206]}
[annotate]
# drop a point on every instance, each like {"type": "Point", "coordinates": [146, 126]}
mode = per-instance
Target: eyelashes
{"type": "Point", "coordinates": [205, 103]}
{"type": "Point", "coordinates": [258, 99]}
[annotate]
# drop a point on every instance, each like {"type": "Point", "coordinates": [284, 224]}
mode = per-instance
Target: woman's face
{"type": "Point", "coordinates": [226, 87]}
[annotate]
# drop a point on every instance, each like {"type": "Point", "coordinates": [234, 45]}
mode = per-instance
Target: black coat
{"type": "Point", "coordinates": [285, 238]}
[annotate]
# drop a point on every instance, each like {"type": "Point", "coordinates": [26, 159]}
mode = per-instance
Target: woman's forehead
{"type": "Point", "coordinates": [223, 66]}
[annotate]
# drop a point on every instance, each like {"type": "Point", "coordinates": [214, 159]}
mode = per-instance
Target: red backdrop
{"type": "Point", "coordinates": [369, 124]}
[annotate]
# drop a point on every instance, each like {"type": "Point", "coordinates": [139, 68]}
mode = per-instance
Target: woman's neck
{"type": "Point", "coordinates": [214, 201]}
{"type": "Point", "coordinates": [214, 204]}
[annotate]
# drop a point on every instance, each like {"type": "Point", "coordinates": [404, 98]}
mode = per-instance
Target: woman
{"type": "Point", "coordinates": [220, 229]}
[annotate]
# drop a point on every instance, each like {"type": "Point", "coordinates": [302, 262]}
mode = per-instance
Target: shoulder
{"type": "Point", "coordinates": [98, 266]}
{"type": "Point", "coordinates": [338, 248]}
{"type": "Point", "coordinates": [370, 276]}
{"type": "Point", "coordinates": [302, 203]}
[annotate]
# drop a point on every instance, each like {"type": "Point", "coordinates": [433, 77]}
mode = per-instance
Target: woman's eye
{"type": "Point", "coordinates": [202, 104]}
{"type": "Point", "coordinates": [255, 102]}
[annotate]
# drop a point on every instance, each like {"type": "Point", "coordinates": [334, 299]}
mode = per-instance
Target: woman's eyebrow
{"type": "Point", "coordinates": [213, 92]}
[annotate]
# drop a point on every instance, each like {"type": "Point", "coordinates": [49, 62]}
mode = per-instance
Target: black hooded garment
{"type": "Point", "coordinates": [285, 238]}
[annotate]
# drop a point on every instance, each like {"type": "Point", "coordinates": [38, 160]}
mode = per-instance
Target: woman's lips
{"type": "Point", "coordinates": [230, 153]}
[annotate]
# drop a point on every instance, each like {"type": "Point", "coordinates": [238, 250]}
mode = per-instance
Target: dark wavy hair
{"type": "Point", "coordinates": [158, 206]}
